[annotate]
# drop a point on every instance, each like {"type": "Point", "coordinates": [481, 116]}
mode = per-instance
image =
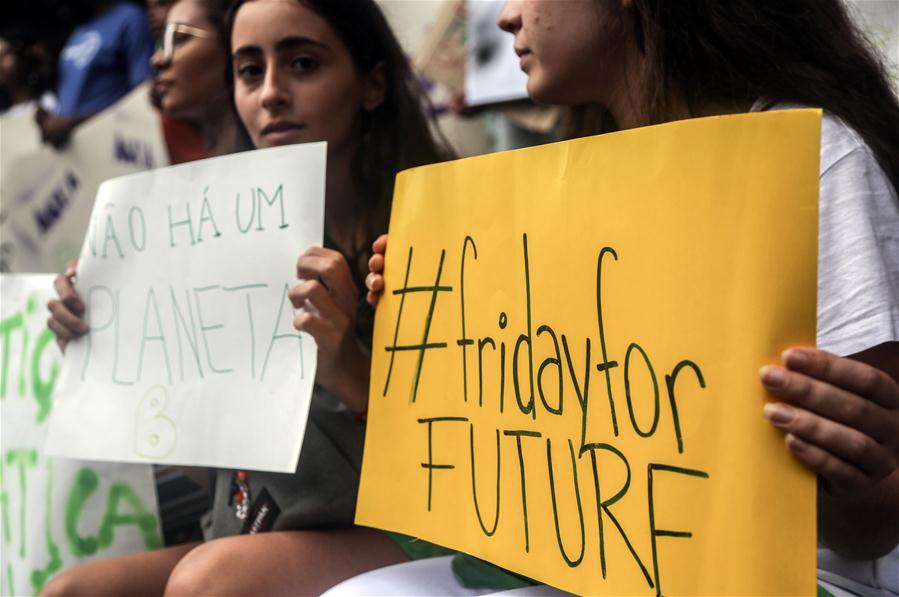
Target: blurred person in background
{"type": "Point", "coordinates": [25, 73]}
{"type": "Point", "coordinates": [157, 10]}
{"type": "Point", "coordinates": [191, 84]}
{"type": "Point", "coordinates": [101, 62]}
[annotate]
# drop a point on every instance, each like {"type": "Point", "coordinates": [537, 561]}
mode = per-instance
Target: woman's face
{"type": "Point", "coordinates": [194, 78]}
{"type": "Point", "coordinates": [571, 50]}
{"type": "Point", "coordinates": [295, 80]}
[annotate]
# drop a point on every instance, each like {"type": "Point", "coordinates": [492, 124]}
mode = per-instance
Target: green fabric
{"type": "Point", "coordinates": [418, 549]}
{"type": "Point", "coordinates": [822, 592]}
{"type": "Point", "coordinates": [470, 571]}
{"type": "Point", "coordinates": [475, 573]}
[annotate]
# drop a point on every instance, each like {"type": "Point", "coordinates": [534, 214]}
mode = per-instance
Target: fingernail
{"type": "Point", "coordinates": [771, 376]}
{"type": "Point", "coordinates": [794, 357]}
{"type": "Point", "coordinates": [779, 414]}
{"type": "Point", "coordinates": [794, 443]}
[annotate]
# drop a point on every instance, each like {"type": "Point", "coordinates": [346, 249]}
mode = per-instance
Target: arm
{"type": "Point", "coordinates": [841, 418]}
{"type": "Point", "coordinates": [56, 130]}
{"type": "Point", "coordinates": [328, 299]}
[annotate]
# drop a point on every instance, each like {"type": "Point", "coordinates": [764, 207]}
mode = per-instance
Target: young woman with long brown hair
{"type": "Point", "coordinates": [631, 63]}
{"type": "Point", "coordinates": [304, 70]}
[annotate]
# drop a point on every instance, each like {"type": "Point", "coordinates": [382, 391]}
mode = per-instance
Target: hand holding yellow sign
{"type": "Point", "coordinates": [565, 358]}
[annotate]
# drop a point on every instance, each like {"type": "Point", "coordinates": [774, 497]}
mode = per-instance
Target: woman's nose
{"type": "Point", "coordinates": [509, 18]}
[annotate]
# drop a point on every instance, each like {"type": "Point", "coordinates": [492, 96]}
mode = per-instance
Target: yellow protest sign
{"type": "Point", "coordinates": [564, 377]}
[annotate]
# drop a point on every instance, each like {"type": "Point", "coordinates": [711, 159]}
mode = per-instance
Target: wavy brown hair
{"type": "Point", "coordinates": [805, 51]}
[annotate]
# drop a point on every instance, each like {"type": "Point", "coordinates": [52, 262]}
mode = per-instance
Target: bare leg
{"type": "Point", "coordinates": [142, 573]}
{"type": "Point", "coordinates": [282, 563]}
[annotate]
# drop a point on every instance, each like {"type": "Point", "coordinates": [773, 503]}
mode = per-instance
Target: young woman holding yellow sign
{"type": "Point", "coordinates": [642, 62]}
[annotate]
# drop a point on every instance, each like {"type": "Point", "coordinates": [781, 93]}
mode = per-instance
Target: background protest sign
{"type": "Point", "coordinates": [492, 73]}
{"type": "Point", "coordinates": [54, 512]}
{"type": "Point", "coordinates": [192, 357]}
{"type": "Point", "coordinates": [47, 195]}
{"type": "Point", "coordinates": [564, 377]}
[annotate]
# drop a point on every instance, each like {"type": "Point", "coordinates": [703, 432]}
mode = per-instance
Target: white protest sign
{"type": "Point", "coordinates": [192, 357]}
{"type": "Point", "coordinates": [56, 512]}
{"type": "Point", "coordinates": [47, 195]}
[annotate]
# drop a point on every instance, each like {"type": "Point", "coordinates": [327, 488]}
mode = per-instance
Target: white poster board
{"type": "Point", "coordinates": [192, 357]}
{"type": "Point", "coordinates": [492, 73]}
{"type": "Point", "coordinates": [54, 512]}
{"type": "Point", "coordinates": [47, 195]}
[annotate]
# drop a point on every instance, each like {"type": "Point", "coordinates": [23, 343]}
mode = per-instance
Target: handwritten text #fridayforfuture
{"type": "Point", "coordinates": [537, 385]}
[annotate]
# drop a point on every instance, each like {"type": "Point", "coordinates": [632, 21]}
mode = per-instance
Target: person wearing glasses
{"type": "Point", "coordinates": [191, 88]}
{"type": "Point", "coordinates": [102, 61]}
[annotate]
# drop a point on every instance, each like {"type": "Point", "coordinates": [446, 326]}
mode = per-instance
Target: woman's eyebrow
{"type": "Point", "coordinates": [246, 51]}
{"type": "Point", "coordinates": [294, 42]}
{"type": "Point", "coordinates": [284, 44]}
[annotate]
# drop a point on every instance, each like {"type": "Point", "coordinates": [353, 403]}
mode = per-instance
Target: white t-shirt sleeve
{"type": "Point", "coordinates": [858, 245]}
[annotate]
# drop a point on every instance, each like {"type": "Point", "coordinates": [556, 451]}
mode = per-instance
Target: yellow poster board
{"type": "Point", "coordinates": [565, 359]}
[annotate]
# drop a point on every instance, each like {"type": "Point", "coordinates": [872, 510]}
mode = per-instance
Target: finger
{"type": "Point", "coordinates": [61, 332]}
{"type": "Point", "coordinates": [851, 375]}
{"type": "Point", "coordinates": [67, 294]}
{"type": "Point", "coordinates": [855, 448]}
{"type": "Point", "coordinates": [831, 402]}
{"type": "Point", "coordinates": [372, 298]}
{"type": "Point", "coordinates": [374, 282]}
{"type": "Point", "coordinates": [380, 245]}
{"type": "Point", "coordinates": [334, 273]}
{"type": "Point", "coordinates": [331, 267]}
{"type": "Point", "coordinates": [839, 477]}
{"type": "Point", "coordinates": [376, 264]}
{"type": "Point", "coordinates": [312, 324]}
{"type": "Point", "coordinates": [66, 318]}
{"type": "Point", "coordinates": [313, 292]}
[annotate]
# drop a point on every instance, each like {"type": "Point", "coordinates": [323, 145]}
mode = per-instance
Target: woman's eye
{"type": "Point", "coordinates": [304, 64]}
{"type": "Point", "coordinates": [248, 71]}
{"type": "Point", "coordinates": [179, 38]}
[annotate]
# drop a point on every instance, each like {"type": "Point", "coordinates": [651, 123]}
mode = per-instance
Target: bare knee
{"type": "Point", "coordinates": [70, 582]}
{"type": "Point", "coordinates": [206, 570]}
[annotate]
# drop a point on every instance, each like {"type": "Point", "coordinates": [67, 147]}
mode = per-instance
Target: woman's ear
{"type": "Point", "coordinates": [374, 88]}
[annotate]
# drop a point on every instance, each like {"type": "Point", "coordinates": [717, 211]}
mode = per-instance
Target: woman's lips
{"type": "Point", "coordinates": [162, 85]}
{"type": "Point", "coordinates": [524, 56]}
{"type": "Point", "coordinates": [280, 133]}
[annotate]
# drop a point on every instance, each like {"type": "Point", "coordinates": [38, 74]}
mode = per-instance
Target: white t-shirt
{"type": "Point", "coordinates": [858, 291]}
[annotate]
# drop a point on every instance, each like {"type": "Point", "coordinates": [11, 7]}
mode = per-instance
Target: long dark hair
{"type": "Point", "coordinates": [805, 51]}
{"type": "Point", "coordinates": [397, 134]}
